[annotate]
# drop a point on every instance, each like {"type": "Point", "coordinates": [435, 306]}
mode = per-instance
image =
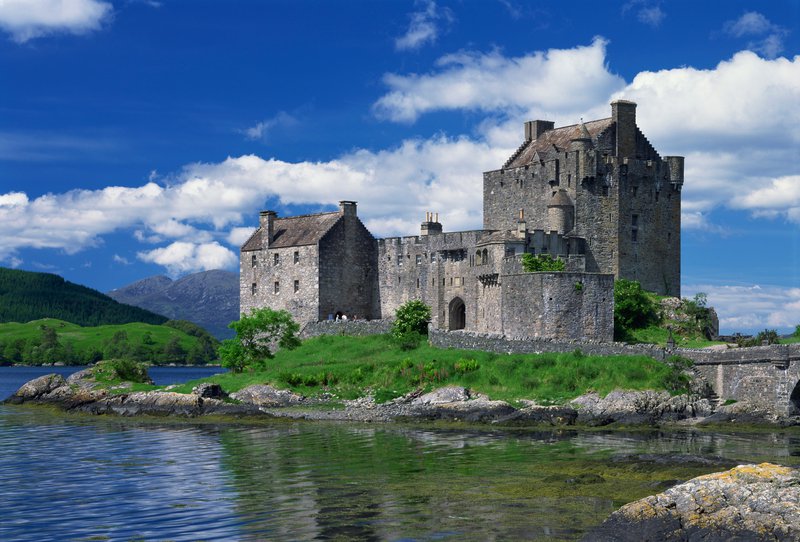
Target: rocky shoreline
{"type": "Point", "coordinates": [81, 393]}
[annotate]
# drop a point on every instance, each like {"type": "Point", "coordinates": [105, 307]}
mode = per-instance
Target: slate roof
{"type": "Point", "coordinates": [295, 231]}
{"type": "Point", "coordinates": [557, 140]}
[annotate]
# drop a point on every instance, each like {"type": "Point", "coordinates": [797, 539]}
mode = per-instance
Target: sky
{"type": "Point", "coordinates": [142, 137]}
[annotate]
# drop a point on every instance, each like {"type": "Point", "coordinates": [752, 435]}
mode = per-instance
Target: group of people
{"type": "Point", "coordinates": [341, 316]}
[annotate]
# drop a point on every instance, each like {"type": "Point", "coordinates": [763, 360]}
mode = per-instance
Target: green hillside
{"type": "Point", "coordinates": [49, 341]}
{"type": "Point", "coordinates": [27, 296]}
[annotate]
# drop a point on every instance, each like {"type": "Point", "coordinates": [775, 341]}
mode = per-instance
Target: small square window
{"type": "Point", "coordinates": [277, 287]}
{"type": "Point", "coordinates": [296, 256]}
{"type": "Point", "coordinates": [296, 285]}
{"type": "Point", "coordinates": [276, 259]}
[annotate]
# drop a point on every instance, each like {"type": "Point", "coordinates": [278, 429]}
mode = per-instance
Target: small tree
{"type": "Point", "coordinates": [257, 335]}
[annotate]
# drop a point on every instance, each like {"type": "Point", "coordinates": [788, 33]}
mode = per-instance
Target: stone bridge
{"type": "Point", "coordinates": [765, 375]}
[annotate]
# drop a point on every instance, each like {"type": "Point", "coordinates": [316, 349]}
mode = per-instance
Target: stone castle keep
{"type": "Point", "coordinates": [595, 194]}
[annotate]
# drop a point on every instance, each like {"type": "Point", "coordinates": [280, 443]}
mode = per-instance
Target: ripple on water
{"type": "Point", "coordinates": [72, 478]}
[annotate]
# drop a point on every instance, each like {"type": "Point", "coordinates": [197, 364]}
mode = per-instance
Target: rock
{"type": "Point", "coordinates": [37, 388]}
{"type": "Point", "coordinates": [267, 396]}
{"type": "Point", "coordinates": [747, 412]}
{"type": "Point", "coordinates": [83, 374]}
{"type": "Point", "coordinates": [208, 390]}
{"type": "Point", "coordinates": [153, 403]}
{"type": "Point", "coordinates": [748, 502]}
{"type": "Point", "coordinates": [448, 394]}
{"type": "Point", "coordinates": [534, 414]}
{"type": "Point", "coordinates": [637, 407]}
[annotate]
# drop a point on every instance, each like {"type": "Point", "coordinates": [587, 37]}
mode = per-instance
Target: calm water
{"type": "Point", "coordinates": [104, 478]}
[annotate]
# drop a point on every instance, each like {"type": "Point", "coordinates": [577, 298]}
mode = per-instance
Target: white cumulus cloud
{"type": "Point", "coordinates": [29, 19]}
{"type": "Point", "coordinates": [768, 35]}
{"type": "Point", "coordinates": [492, 82]}
{"type": "Point", "coordinates": [181, 257]}
{"type": "Point", "coordinates": [750, 308]}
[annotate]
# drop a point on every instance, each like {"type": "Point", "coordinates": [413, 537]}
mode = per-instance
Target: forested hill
{"type": "Point", "coordinates": [26, 296]}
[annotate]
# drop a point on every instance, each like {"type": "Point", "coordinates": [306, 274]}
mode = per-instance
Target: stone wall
{"type": "Point", "coordinates": [558, 306]}
{"type": "Point", "coordinates": [355, 328]}
{"type": "Point", "coordinates": [282, 279]}
{"type": "Point", "coordinates": [489, 342]}
{"type": "Point", "coordinates": [347, 270]}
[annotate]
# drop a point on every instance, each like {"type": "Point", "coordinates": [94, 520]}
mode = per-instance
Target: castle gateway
{"type": "Point", "coordinates": [595, 194]}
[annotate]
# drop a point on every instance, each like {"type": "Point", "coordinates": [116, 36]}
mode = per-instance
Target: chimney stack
{"type": "Point", "coordinates": [623, 113]}
{"type": "Point", "coordinates": [266, 219]}
{"type": "Point", "coordinates": [535, 128]}
{"type": "Point", "coordinates": [347, 208]}
{"type": "Point", "coordinates": [431, 225]}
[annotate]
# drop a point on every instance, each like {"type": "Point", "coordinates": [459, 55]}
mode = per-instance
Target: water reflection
{"type": "Point", "coordinates": [70, 478]}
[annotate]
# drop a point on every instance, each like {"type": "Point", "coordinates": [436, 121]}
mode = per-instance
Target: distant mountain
{"type": "Point", "coordinates": [209, 299]}
{"type": "Point", "coordinates": [27, 296]}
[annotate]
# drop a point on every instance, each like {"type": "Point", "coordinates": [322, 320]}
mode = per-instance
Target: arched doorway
{"type": "Point", "coordinates": [794, 399]}
{"type": "Point", "coordinates": [458, 314]}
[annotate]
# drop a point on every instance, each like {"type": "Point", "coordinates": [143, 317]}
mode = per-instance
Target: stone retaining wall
{"type": "Point", "coordinates": [355, 328]}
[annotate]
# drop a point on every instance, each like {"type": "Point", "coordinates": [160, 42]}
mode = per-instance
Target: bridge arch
{"type": "Point", "coordinates": [458, 314]}
{"type": "Point", "coordinates": [794, 399]}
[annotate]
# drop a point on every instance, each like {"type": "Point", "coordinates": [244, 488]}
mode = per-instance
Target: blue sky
{"type": "Point", "coordinates": [142, 137]}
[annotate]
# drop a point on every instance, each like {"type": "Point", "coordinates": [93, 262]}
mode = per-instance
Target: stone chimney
{"type": "Point", "coordinates": [623, 113]}
{"type": "Point", "coordinates": [431, 225]}
{"type": "Point", "coordinates": [347, 208]}
{"type": "Point", "coordinates": [522, 226]}
{"type": "Point", "coordinates": [535, 128]}
{"type": "Point", "coordinates": [266, 219]}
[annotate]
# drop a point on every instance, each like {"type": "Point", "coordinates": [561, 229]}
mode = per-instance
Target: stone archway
{"type": "Point", "coordinates": [794, 399]}
{"type": "Point", "coordinates": [458, 314]}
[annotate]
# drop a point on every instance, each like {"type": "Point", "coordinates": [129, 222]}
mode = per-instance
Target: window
{"type": "Point", "coordinates": [419, 259]}
{"type": "Point", "coordinates": [296, 257]}
{"type": "Point", "coordinates": [277, 287]}
{"type": "Point", "coordinates": [634, 189]}
{"type": "Point", "coordinates": [634, 220]}
{"type": "Point", "coordinates": [634, 235]}
{"type": "Point", "coordinates": [253, 260]}
{"type": "Point", "coordinates": [296, 284]}
{"type": "Point", "coordinates": [417, 283]}
{"type": "Point", "coordinates": [276, 259]}
{"type": "Point", "coordinates": [253, 288]}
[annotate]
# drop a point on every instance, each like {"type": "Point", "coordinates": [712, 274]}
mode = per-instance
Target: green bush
{"type": "Point", "coordinates": [542, 262]}
{"type": "Point", "coordinates": [464, 366]}
{"type": "Point", "coordinates": [124, 369]}
{"type": "Point", "coordinates": [633, 309]}
{"type": "Point", "coordinates": [411, 317]}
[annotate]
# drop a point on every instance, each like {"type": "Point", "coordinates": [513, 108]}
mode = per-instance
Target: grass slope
{"type": "Point", "coordinates": [348, 367]}
{"type": "Point", "coordinates": [85, 339]}
{"type": "Point", "coordinates": [26, 296]}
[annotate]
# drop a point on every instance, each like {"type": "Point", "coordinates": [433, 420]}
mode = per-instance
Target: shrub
{"type": "Point", "coordinates": [542, 262]}
{"type": "Point", "coordinates": [411, 317]}
{"type": "Point", "coordinates": [124, 369]}
{"type": "Point", "coordinates": [464, 366]}
{"type": "Point", "coordinates": [769, 336]}
{"type": "Point", "coordinates": [678, 379]}
{"type": "Point", "coordinates": [633, 309]}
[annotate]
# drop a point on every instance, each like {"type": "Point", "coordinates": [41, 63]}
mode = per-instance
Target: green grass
{"type": "Point", "coordinates": [659, 335]}
{"type": "Point", "coordinates": [349, 367]}
{"type": "Point", "coordinates": [94, 338]}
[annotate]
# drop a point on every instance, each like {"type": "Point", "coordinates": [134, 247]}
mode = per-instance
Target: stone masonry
{"type": "Point", "coordinates": [594, 194]}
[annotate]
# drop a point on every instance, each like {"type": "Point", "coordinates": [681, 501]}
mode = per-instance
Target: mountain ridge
{"type": "Point", "coordinates": [209, 298]}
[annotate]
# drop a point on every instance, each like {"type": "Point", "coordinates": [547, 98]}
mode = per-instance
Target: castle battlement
{"type": "Point", "coordinates": [596, 194]}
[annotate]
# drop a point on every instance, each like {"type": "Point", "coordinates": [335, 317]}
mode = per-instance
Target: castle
{"type": "Point", "coordinates": [595, 194]}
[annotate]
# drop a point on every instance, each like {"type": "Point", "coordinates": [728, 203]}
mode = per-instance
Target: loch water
{"type": "Point", "coordinates": [80, 477]}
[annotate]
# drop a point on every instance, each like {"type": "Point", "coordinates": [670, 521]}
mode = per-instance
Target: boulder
{"type": "Point", "coordinates": [748, 502]}
{"type": "Point", "coordinates": [448, 394]}
{"type": "Point", "coordinates": [37, 388]}
{"type": "Point", "coordinates": [267, 396]}
{"type": "Point", "coordinates": [208, 390]}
